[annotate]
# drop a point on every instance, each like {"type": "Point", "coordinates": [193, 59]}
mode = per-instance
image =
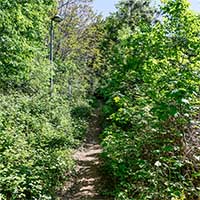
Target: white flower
{"type": "Point", "coordinates": [197, 157]}
{"type": "Point", "coordinates": [158, 164]}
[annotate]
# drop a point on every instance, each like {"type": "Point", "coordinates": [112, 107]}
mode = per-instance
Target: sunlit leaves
{"type": "Point", "coordinates": [154, 69]}
{"type": "Point", "coordinates": [23, 28]}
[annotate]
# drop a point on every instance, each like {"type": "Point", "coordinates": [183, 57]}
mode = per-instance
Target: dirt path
{"type": "Point", "coordinates": [89, 181]}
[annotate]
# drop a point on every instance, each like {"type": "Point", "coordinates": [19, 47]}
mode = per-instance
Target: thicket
{"type": "Point", "coordinates": [148, 62]}
{"type": "Point", "coordinates": [38, 132]}
{"type": "Point", "coordinates": [36, 138]}
{"type": "Point", "coordinates": [151, 91]}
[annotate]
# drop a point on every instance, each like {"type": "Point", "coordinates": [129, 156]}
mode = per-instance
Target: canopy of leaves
{"type": "Point", "coordinates": [76, 48]}
{"type": "Point", "coordinates": [23, 28]}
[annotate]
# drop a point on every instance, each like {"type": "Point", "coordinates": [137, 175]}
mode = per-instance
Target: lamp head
{"type": "Point", "coordinates": [57, 18]}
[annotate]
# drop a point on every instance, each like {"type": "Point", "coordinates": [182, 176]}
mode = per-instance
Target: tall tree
{"type": "Point", "coordinates": [76, 47]}
{"type": "Point", "coordinates": [23, 28]}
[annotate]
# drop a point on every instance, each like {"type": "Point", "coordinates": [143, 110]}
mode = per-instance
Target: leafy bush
{"type": "Point", "coordinates": [152, 93]}
{"type": "Point", "coordinates": [36, 135]}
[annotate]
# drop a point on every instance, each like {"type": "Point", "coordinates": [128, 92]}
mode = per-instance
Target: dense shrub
{"type": "Point", "coordinates": [36, 136]}
{"type": "Point", "coordinates": [152, 97]}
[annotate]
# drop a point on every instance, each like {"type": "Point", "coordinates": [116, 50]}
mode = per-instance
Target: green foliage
{"type": "Point", "coordinates": [76, 49]}
{"type": "Point", "coordinates": [152, 94]}
{"type": "Point", "coordinates": [150, 82]}
{"type": "Point", "coordinates": [36, 137]}
{"type": "Point", "coordinates": [38, 133]}
{"type": "Point", "coordinates": [23, 29]}
{"type": "Point", "coordinates": [80, 113]}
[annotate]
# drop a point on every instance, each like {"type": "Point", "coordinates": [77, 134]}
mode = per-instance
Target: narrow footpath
{"type": "Point", "coordinates": [89, 182]}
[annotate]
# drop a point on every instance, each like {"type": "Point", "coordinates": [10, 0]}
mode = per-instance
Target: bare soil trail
{"type": "Point", "coordinates": [89, 180]}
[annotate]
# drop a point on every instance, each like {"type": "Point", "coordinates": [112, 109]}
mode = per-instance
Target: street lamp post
{"type": "Point", "coordinates": [56, 18]}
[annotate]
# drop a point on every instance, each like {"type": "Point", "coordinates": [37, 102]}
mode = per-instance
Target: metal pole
{"type": "Point", "coordinates": [51, 59]}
